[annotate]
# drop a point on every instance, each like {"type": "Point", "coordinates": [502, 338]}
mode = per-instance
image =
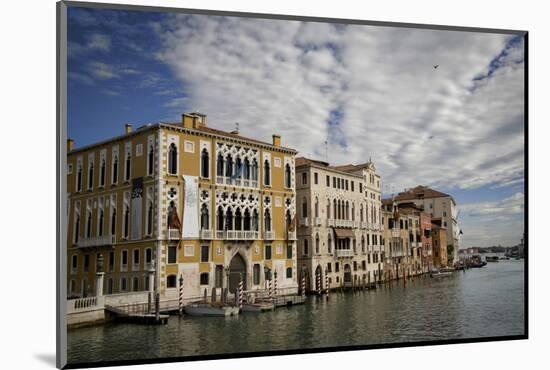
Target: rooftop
{"type": "Point", "coordinates": [420, 192]}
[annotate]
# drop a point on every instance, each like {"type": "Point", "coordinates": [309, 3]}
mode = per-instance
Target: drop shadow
{"type": "Point", "coordinates": [47, 358]}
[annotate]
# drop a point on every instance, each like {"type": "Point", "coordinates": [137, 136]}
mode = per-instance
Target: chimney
{"type": "Point", "coordinates": [70, 145]}
{"type": "Point", "coordinates": [128, 128]}
{"type": "Point", "coordinates": [193, 120]}
{"type": "Point", "coordinates": [276, 140]}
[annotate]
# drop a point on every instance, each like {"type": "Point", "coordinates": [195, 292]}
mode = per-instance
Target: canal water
{"type": "Point", "coordinates": [482, 302]}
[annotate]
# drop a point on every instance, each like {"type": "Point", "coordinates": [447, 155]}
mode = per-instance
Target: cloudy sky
{"type": "Point", "coordinates": [368, 92]}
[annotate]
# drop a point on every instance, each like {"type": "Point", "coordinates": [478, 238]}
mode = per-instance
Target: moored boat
{"type": "Point", "coordinates": [206, 309]}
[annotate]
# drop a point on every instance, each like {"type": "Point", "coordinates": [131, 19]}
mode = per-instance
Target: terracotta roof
{"type": "Point", "coordinates": [351, 167]}
{"type": "Point", "coordinates": [420, 192]}
{"type": "Point", "coordinates": [301, 161]}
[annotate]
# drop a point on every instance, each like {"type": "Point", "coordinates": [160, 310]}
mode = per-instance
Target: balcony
{"type": "Point", "coordinates": [344, 253]}
{"type": "Point", "coordinates": [232, 234]}
{"type": "Point", "coordinates": [316, 221]}
{"type": "Point", "coordinates": [395, 233]}
{"type": "Point", "coordinates": [246, 183]}
{"type": "Point", "coordinates": [304, 221]}
{"type": "Point", "coordinates": [292, 235]}
{"type": "Point", "coordinates": [269, 235]}
{"type": "Point", "coordinates": [207, 234]}
{"type": "Point", "coordinates": [96, 241]}
{"type": "Point", "coordinates": [363, 225]}
{"type": "Point", "coordinates": [344, 223]}
{"type": "Point", "coordinates": [330, 222]}
{"type": "Point", "coordinates": [174, 234]}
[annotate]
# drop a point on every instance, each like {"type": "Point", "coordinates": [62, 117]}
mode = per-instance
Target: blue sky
{"type": "Point", "coordinates": [367, 91]}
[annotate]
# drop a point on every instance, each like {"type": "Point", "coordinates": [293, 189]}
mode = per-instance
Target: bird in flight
{"type": "Point", "coordinates": [435, 66]}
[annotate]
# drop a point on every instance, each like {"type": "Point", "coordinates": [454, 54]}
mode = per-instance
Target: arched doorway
{"type": "Point", "coordinates": [347, 275]}
{"type": "Point", "coordinates": [237, 269]}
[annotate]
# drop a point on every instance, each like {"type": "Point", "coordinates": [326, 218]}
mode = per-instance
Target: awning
{"type": "Point", "coordinates": [343, 233]}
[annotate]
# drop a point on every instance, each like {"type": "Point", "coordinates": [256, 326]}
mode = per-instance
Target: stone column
{"type": "Point", "coordinates": [151, 273]}
{"type": "Point", "coordinates": [99, 276]}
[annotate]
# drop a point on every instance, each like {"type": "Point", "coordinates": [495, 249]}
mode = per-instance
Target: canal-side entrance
{"type": "Point", "coordinates": [237, 269]}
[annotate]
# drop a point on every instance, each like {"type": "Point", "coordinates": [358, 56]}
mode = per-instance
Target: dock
{"type": "Point", "coordinates": [134, 314]}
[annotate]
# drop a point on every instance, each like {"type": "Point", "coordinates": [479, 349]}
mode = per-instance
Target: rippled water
{"type": "Point", "coordinates": [482, 302]}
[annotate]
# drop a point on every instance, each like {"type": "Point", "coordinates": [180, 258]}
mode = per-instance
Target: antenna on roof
{"type": "Point", "coordinates": [237, 126]}
{"type": "Point", "coordinates": [326, 151]}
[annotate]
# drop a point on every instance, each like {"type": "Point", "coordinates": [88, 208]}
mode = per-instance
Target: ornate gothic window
{"type": "Point", "coordinates": [205, 162]}
{"type": "Point", "coordinates": [172, 159]}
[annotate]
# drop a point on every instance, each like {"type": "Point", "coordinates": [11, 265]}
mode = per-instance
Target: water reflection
{"type": "Point", "coordinates": [479, 303]}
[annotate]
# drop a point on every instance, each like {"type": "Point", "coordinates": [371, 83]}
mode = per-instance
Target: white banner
{"type": "Point", "coordinates": [191, 207]}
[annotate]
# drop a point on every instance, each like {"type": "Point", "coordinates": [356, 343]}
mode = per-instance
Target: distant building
{"type": "Point", "coordinates": [339, 233]}
{"type": "Point", "coordinates": [438, 205]}
{"type": "Point", "coordinates": [439, 238]}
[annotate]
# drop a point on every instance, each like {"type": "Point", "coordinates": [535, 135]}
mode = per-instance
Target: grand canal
{"type": "Point", "coordinates": [482, 302]}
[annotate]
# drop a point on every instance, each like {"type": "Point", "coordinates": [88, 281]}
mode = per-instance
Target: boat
{"type": "Point", "coordinates": [440, 274]}
{"type": "Point", "coordinates": [258, 307]}
{"type": "Point", "coordinates": [207, 309]}
{"type": "Point", "coordinates": [491, 258]}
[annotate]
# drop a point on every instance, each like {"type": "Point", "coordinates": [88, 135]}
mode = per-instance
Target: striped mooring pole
{"type": "Point", "coordinates": [181, 295]}
{"type": "Point", "coordinates": [269, 287]}
{"type": "Point", "coordinates": [241, 285]}
{"type": "Point", "coordinates": [327, 286]}
{"type": "Point", "coordinates": [275, 283]}
{"type": "Point", "coordinates": [303, 284]}
{"type": "Point", "coordinates": [318, 280]}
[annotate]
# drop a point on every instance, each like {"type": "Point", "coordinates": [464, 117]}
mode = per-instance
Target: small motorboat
{"type": "Point", "coordinates": [207, 309]}
{"type": "Point", "coordinates": [440, 274]}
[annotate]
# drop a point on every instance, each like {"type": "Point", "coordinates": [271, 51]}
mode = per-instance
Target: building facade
{"type": "Point", "coordinates": [439, 238]}
{"type": "Point", "coordinates": [438, 205]}
{"type": "Point", "coordinates": [338, 224]}
{"type": "Point", "coordinates": [181, 200]}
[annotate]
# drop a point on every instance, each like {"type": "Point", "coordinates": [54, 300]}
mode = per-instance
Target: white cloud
{"type": "Point", "coordinates": [423, 125]}
{"type": "Point", "coordinates": [97, 41]}
{"type": "Point", "coordinates": [102, 70]}
{"type": "Point", "coordinates": [512, 205]}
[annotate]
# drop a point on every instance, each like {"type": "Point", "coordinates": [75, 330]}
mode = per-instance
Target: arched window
{"type": "Point", "coordinates": [354, 245]}
{"type": "Point", "coordinates": [335, 209]}
{"type": "Point", "coordinates": [267, 220]}
{"type": "Point", "coordinates": [100, 223]}
{"type": "Point", "coordinates": [316, 207]}
{"type": "Point", "coordinates": [267, 173]}
{"type": "Point", "coordinates": [254, 170]}
{"type": "Point", "coordinates": [126, 221]}
{"type": "Point", "coordinates": [79, 178]}
{"type": "Point", "coordinates": [102, 173]}
{"type": "Point", "coordinates": [219, 165]}
{"type": "Point", "coordinates": [361, 213]}
{"type": "Point", "coordinates": [89, 225]}
{"type": "Point", "coordinates": [113, 222]}
{"type": "Point", "coordinates": [150, 218]}
{"type": "Point", "coordinates": [238, 219]}
{"type": "Point", "coordinates": [304, 207]}
{"type": "Point", "coordinates": [205, 219]}
{"type": "Point", "coordinates": [128, 166]}
{"type": "Point", "coordinates": [229, 219]}
{"type": "Point", "coordinates": [347, 210]}
{"type": "Point", "coordinates": [150, 160]}
{"type": "Point", "coordinates": [172, 159]}
{"type": "Point", "coordinates": [255, 220]}
{"type": "Point", "coordinates": [114, 177]}
{"type": "Point", "coordinates": [238, 168]}
{"type": "Point", "coordinates": [353, 211]}
{"type": "Point", "coordinates": [229, 166]}
{"type": "Point", "coordinates": [246, 220]}
{"type": "Point", "coordinates": [289, 273]}
{"type": "Point", "coordinates": [288, 183]}
{"type": "Point", "coordinates": [317, 244]}
{"type": "Point", "coordinates": [328, 208]}
{"type": "Point", "coordinates": [220, 217]}
{"type": "Point", "coordinates": [246, 169]}
{"type": "Point", "coordinates": [205, 172]}
{"type": "Point", "coordinates": [91, 176]}
{"type": "Point", "coordinates": [329, 242]}
{"type": "Point", "coordinates": [76, 228]}
{"type": "Point", "coordinates": [363, 244]}
{"type": "Point", "coordinates": [306, 248]}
